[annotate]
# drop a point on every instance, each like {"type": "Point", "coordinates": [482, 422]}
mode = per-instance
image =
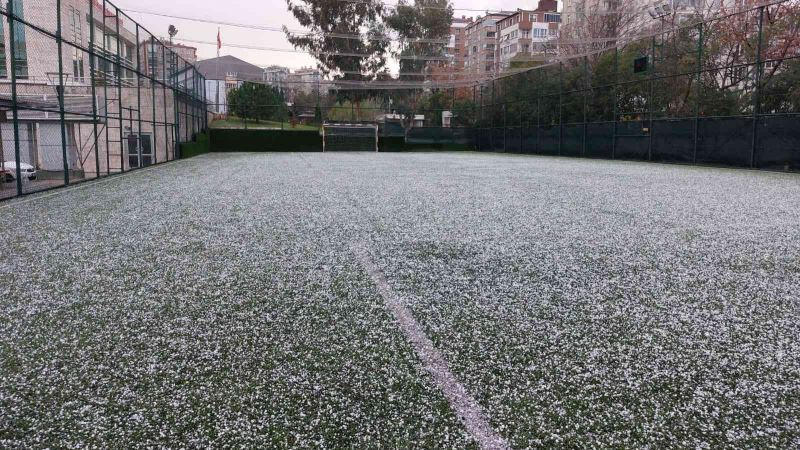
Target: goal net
{"type": "Point", "coordinates": [349, 137]}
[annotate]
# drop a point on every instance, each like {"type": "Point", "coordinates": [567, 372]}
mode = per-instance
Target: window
{"type": "Point", "coordinates": [140, 153]}
{"type": "Point", "coordinates": [110, 42]}
{"type": "Point", "coordinates": [152, 58]}
{"type": "Point", "coordinates": [737, 74]}
{"type": "Point", "coordinates": [491, 34]}
{"type": "Point", "coordinates": [20, 49]}
{"type": "Point", "coordinates": [550, 18]}
{"type": "Point", "coordinates": [3, 70]}
{"type": "Point", "coordinates": [539, 32]}
{"type": "Point", "coordinates": [77, 37]}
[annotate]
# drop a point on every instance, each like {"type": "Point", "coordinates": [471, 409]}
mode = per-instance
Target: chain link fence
{"type": "Point", "coordinates": [86, 92]}
{"type": "Point", "coordinates": [723, 90]}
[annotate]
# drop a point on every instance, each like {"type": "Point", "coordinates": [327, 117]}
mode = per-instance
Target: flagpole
{"type": "Point", "coordinates": [219, 100]}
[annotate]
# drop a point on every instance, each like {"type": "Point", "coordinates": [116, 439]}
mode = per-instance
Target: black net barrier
{"type": "Point", "coordinates": [778, 143]}
{"type": "Point", "coordinates": [572, 140]}
{"type": "Point", "coordinates": [673, 140]}
{"type": "Point", "coordinates": [632, 140]}
{"type": "Point", "coordinates": [600, 140]}
{"type": "Point", "coordinates": [725, 141]}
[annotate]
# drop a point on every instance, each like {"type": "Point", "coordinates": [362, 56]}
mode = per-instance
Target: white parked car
{"type": "Point", "coordinates": [8, 171]}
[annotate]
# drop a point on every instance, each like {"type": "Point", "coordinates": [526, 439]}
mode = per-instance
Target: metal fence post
{"type": "Point", "coordinates": [615, 105]}
{"type": "Point", "coordinates": [491, 126]}
{"type": "Point", "coordinates": [138, 99]}
{"type": "Point", "coordinates": [92, 69]}
{"type": "Point", "coordinates": [539, 119]}
{"type": "Point", "coordinates": [505, 125]}
{"type": "Point", "coordinates": [757, 90]}
{"type": "Point", "coordinates": [105, 92]}
{"type": "Point", "coordinates": [118, 71]}
{"type": "Point", "coordinates": [59, 44]}
{"type": "Point", "coordinates": [479, 118]}
{"type": "Point", "coordinates": [187, 104]}
{"type": "Point", "coordinates": [452, 106]}
{"type": "Point", "coordinates": [176, 115]}
{"type": "Point", "coordinates": [560, 106]}
{"type": "Point", "coordinates": [164, 92]}
{"type": "Point", "coordinates": [699, 92]}
{"type": "Point", "coordinates": [650, 99]}
{"type": "Point", "coordinates": [475, 116]}
{"type": "Point", "coordinates": [587, 88]}
{"type": "Point", "coordinates": [521, 144]}
{"type": "Point", "coordinates": [14, 100]}
{"type": "Point", "coordinates": [152, 76]}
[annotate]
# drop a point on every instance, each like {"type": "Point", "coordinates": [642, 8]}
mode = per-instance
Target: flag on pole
{"type": "Point", "coordinates": [219, 42]}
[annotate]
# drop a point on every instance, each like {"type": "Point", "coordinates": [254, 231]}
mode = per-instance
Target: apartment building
{"type": "Point", "coordinates": [620, 18]}
{"type": "Point", "coordinates": [185, 52]}
{"type": "Point", "coordinates": [306, 80]}
{"type": "Point", "coordinates": [481, 44]}
{"type": "Point", "coordinates": [116, 98]}
{"type": "Point", "coordinates": [523, 35]}
{"type": "Point", "coordinates": [276, 75]}
{"type": "Point", "coordinates": [456, 47]}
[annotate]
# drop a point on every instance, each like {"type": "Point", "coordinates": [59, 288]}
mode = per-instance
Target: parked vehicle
{"type": "Point", "coordinates": [8, 171]}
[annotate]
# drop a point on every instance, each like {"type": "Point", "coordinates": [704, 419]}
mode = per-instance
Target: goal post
{"type": "Point", "coordinates": [349, 137]}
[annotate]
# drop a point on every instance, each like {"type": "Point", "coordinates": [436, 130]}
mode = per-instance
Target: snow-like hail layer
{"type": "Point", "coordinates": [217, 302]}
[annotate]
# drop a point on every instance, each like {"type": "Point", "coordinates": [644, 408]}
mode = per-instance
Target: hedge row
{"type": "Point", "coordinates": [399, 144]}
{"type": "Point", "coordinates": [201, 145]}
{"type": "Point", "coordinates": [235, 140]}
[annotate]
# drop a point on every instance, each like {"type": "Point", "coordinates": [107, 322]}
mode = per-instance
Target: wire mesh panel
{"type": "Point", "coordinates": [572, 136]}
{"type": "Point", "coordinates": [349, 137]}
{"type": "Point", "coordinates": [673, 140]}
{"type": "Point", "coordinates": [661, 91]}
{"type": "Point", "coordinates": [778, 143]}
{"type": "Point", "coordinates": [85, 92]}
{"type": "Point", "coordinates": [725, 140]}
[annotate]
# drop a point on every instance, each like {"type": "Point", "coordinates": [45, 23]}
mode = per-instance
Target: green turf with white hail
{"type": "Point", "coordinates": [231, 301]}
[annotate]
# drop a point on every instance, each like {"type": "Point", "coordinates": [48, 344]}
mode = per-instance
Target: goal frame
{"type": "Point", "coordinates": [373, 126]}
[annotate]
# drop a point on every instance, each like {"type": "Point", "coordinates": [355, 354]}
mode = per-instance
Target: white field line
{"type": "Point", "coordinates": [466, 408]}
{"type": "Point", "coordinates": [87, 183]}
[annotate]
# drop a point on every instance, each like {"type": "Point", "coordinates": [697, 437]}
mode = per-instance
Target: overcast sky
{"type": "Point", "coordinates": [254, 12]}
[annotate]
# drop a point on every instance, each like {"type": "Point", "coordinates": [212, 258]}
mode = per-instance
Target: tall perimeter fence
{"type": "Point", "coordinates": [86, 92]}
{"type": "Point", "coordinates": [722, 91]}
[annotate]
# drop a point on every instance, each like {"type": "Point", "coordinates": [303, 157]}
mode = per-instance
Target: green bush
{"type": "Point", "coordinates": [200, 146]}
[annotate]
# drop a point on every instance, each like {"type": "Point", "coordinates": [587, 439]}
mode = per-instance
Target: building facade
{"type": "Point", "coordinates": [276, 75]}
{"type": "Point", "coordinates": [522, 37]}
{"type": "Point", "coordinates": [303, 81]}
{"type": "Point", "coordinates": [457, 46]}
{"type": "Point", "coordinates": [481, 44]}
{"type": "Point", "coordinates": [133, 118]}
{"type": "Point", "coordinates": [185, 52]}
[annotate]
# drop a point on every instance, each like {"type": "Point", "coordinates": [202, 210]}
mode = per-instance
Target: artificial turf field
{"type": "Point", "coordinates": [231, 300]}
